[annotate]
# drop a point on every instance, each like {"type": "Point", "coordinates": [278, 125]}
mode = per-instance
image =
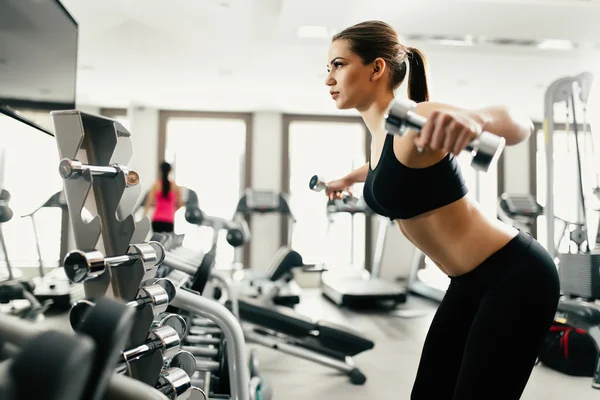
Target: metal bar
{"type": "Point", "coordinates": [233, 333]}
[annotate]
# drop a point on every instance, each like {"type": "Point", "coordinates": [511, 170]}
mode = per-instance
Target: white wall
{"type": "Point", "coordinates": [516, 168]}
{"type": "Point", "coordinates": [144, 124]}
{"type": "Point", "coordinates": [266, 174]}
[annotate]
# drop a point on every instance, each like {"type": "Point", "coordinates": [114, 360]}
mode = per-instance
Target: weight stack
{"type": "Point", "coordinates": [580, 275]}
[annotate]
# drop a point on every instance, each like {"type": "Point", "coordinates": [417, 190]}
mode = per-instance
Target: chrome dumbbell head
{"type": "Point", "coordinates": [175, 321]}
{"type": "Point", "coordinates": [185, 361]}
{"type": "Point", "coordinates": [84, 265]}
{"type": "Point", "coordinates": [175, 384]}
{"type": "Point", "coordinates": [72, 168]}
{"type": "Point", "coordinates": [401, 115]}
{"type": "Point", "coordinates": [155, 296]}
{"type": "Point", "coordinates": [158, 295]}
{"type": "Point", "coordinates": [78, 311]}
{"type": "Point", "coordinates": [317, 184]}
{"type": "Point", "coordinates": [169, 339]}
{"type": "Point", "coordinates": [163, 339]}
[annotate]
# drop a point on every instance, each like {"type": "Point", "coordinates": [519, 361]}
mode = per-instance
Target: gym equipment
{"type": "Point", "coordinates": [519, 210]}
{"type": "Point", "coordinates": [54, 286]}
{"type": "Point", "coordinates": [157, 296]}
{"type": "Point", "coordinates": [401, 116]}
{"type": "Point", "coordinates": [175, 321]}
{"type": "Point", "coordinates": [176, 384]}
{"type": "Point", "coordinates": [72, 168]}
{"type": "Point", "coordinates": [282, 329]}
{"type": "Point", "coordinates": [109, 324]}
{"type": "Point", "coordinates": [238, 233]}
{"type": "Point", "coordinates": [81, 266]}
{"type": "Point", "coordinates": [164, 339]}
{"type": "Point", "coordinates": [66, 360]}
{"type": "Point", "coordinates": [318, 185]}
{"type": "Point", "coordinates": [66, 365]}
{"type": "Point", "coordinates": [579, 271]}
{"type": "Point", "coordinates": [278, 279]}
{"type": "Point", "coordinates": [13, 288]}
{"type": "Point", "coordinates": [357, 288]}
{"type": "Point", "coordinates": [6, 215]}
{"type": "Point", "coordinates": [104, 141]}
{"type": "Point", "coordinates": [183, 360]}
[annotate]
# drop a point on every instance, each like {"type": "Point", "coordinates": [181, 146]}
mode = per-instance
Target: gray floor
{"type": "Point", "coordinates": [390, 367]}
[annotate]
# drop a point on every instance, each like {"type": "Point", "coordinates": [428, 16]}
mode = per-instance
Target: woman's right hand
{"type": "Point", "coordinates": [335, 188]}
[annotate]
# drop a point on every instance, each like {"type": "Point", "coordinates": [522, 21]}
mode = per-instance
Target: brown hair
{"type": "Point", "coordinates": [373, 39]}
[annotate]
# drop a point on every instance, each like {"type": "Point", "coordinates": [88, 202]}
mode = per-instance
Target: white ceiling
{"type": "Point", "coordinates": [244, 55]}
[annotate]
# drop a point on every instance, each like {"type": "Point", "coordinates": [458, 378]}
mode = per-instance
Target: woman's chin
{"type": "Point", "coordinates": [341, 105]}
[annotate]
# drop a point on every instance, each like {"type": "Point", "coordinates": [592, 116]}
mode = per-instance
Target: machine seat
{"type": "Point", "coordinates": [581, 311]}
{"type": "Point", "coordinates": [330, 337]}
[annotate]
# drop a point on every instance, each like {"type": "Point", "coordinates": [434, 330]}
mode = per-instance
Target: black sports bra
{"type": "Point", "coordinates": [399, 192]}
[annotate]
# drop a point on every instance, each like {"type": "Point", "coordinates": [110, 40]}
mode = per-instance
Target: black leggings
{"type": "Point", "coordinates": [159, 226]}
{"type": "Point", "coordinates": [483, 341]}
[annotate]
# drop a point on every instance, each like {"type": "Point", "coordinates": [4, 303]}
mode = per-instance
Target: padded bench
{"type": "Point", "coordinates": [283, 319]}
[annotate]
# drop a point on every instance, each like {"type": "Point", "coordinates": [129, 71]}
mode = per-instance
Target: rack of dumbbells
{"type": "Point", "coordinates": [114, 261]}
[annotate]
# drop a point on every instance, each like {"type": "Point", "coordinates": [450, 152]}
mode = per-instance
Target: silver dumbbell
{"type": "Point", "coordinates": [83, 265]}
{"type": "Point", "coordinates": [164, 339]}
{"type": "Point", "coordinates": [176, 384]}
{"type": "Point", "coordinates": [72, 168]}
{"type": "Point", "coordinates": [157, 295]}
{"type": "Point", "coordinates": [183, 360]}
{"type": "Point", "coordinates": [175, 321]}
{"type": "Point", "coordinates": [401, 116]}
{"type": "Point", "coordinates": [317, 184]}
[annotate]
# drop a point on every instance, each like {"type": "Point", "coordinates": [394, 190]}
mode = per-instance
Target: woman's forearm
{"type": "Point", "coordinates": [504, 122]}
{"type": "Point", "coordinates": [358, 175]}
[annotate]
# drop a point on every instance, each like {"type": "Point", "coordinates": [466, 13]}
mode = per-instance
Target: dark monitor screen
{"type": "Point", "coordinates": [38, 57]}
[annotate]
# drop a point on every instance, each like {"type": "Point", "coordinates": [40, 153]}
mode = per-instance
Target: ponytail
{"type": "Point", "coordinates": [165, 168]}
{"type": "Point", "coordinates": [418, 90]}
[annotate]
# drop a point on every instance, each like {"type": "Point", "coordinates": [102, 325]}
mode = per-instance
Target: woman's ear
{"type": "Point", "coordinates": [379, 67]}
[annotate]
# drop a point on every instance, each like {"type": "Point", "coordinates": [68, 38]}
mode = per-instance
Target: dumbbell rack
{"type": "Point", "coordinates": [103, 142]}
{"type": "Point", "coordinates": [100, 141]}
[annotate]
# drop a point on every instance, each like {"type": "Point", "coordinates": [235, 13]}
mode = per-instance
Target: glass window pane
{"type": "Point", "coordinates": [330, 150]}
{"type": "Point", "coordinates": [30, 184]}
{"type": "Point", "coordinates": [208, 156]}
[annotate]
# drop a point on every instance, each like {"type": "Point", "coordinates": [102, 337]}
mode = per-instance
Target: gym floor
{"type": "Point", "coordinates": [391, 366]}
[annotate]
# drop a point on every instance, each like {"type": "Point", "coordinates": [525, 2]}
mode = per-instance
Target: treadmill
{"type": "Point", "coordinates": [357, 288]}
{"type": "Point", "coordinates": [255, 284]}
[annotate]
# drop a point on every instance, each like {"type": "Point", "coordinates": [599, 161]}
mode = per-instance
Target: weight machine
{"type": "Point", "coordinates": [579, 269]}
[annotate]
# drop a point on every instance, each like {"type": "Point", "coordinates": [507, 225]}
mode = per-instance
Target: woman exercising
{"type": "Point", "coordinates": [504, 289]}
{"type": "Point", "coordinates": [167, 197]}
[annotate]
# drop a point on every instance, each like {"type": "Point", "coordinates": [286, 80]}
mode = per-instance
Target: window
{"type": "Point", "coordinates": [330, 149]}
{"type": "Point", "coordinates": [29, 171]}
{"type": "Point", "coordinates": [566, 184]}
{"type": "Point", "coordinates": [208, 155]}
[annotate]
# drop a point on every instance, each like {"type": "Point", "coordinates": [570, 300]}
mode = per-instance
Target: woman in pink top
{"type": "Point", "coordinates": [166, 196]}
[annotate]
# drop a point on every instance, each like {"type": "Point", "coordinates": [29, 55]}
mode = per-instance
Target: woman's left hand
{"type": "Point", "coordinates": [448, 131]}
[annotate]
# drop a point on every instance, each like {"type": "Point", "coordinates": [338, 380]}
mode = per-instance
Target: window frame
{"type": "Point", "coordinates": [248, 118]}
{"type": "Point", "coordinates": [286, 121]}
